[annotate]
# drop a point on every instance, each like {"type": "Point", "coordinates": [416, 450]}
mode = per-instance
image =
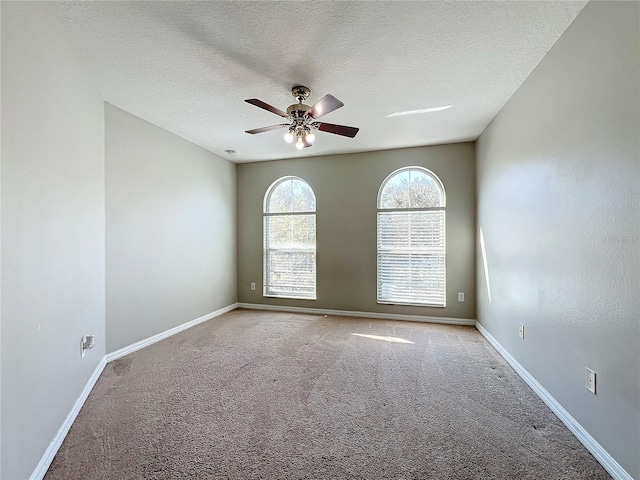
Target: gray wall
{"type": "Point", "coordinates": [346, 188]}
{"type": "Point", "coordinates": [559, 210]}
{"type": "Point", "coordinates": [52, 231]}
{"type": "Point", "coordinates": [171, 230]}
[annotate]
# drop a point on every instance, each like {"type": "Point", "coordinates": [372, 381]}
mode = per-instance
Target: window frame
{"type": "Point", "coordinates": [266, 213]}
{"type": "Point", "coordinates": [442, 208]}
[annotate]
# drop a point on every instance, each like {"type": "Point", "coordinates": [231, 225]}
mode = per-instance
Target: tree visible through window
{"type": "Point", "coordinates": [411, 238]}
{"type": "Point", "coordinates": [290, 239]}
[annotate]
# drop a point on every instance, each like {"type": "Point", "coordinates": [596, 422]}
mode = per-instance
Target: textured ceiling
{"type": "Point", "coordinates": [187, 66]}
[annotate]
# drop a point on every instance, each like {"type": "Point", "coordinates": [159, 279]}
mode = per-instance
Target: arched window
{"type": "Point", "coordinates": [290, 239]}
{"type": "Point", "coordinates": [411, 238]}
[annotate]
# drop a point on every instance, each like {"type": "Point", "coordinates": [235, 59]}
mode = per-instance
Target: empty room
{"type": "Point", "coordinates": [320, 240]}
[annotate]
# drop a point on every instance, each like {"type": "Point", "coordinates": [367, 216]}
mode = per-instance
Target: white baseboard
{"type": "Point", "coordinates": [348, 313]}
{"type": "Point", "coordinates": [51, 451]}
{"type": "Point", "coordinates": [606, 460]}
{"type": "Point", "coordinates": [167, 333]}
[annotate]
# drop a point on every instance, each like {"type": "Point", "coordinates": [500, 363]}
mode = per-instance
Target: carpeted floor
{"type": "Point", "coordinates": [257, 395]}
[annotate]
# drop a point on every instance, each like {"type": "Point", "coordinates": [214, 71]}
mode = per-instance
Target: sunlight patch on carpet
{"type": "Point", "coordinates": [382, 337]}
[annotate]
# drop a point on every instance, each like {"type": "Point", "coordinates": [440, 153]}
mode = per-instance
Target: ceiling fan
{"type": "Point", "coordinates": [303, 118]}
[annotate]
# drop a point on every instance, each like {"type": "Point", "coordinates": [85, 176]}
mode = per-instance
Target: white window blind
{"type": "Point", "coordinates": [411, 239]}
{"type": "Point", "coordinates": [290, 240]}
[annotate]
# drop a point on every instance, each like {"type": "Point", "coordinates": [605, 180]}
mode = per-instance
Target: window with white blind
{"type": "Point", "coordinates": [411, 238]}
{"type": "Point", "coordinates": [290, 240]}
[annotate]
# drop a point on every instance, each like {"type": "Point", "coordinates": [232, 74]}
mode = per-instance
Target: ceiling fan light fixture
{"type": "Point", "coordinates": [310, 137]}
{"type": "Point", "coordinates": [288, 137]}
{"type": "Point", "coordinates": [300, 143]}
{"type": "Point", "coordinates": [422, 110]}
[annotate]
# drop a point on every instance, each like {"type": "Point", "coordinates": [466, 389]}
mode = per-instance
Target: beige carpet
{"type": "Point", "coordinates": [256, 395]}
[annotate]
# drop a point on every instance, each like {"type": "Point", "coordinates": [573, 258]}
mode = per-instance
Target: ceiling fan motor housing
{"type": "Point", "coordinates": [297, 109]}
{"type": "Point", "coordinates": [301, 122]}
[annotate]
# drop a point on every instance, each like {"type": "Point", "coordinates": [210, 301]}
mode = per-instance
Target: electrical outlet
{"type": "Point", "coordinates": [461, 297]}
{"type": "Point", "coordinates": [521, 331]}
{"type": "Point", "coordinates": [253, 286]}
{"type": "Point", "coordinates": [86, 343]}
{"type": "Point", "coordinates": [590, 380]}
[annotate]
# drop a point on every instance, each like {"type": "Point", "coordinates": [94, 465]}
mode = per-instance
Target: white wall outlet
{"type": "Point", "coordinates": [590, 380]}
{"type": "Point", "coordinates": [253, 286]}
{"type": "Point", "coordinates": [86, 343]}
{"type": "Point", "coordinates": [521, 331]}
{"type": "Point", "coordinates": [461, 297]}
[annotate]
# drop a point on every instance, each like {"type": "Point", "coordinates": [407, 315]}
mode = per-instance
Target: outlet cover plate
{"type": "Point", "coordinates": [461, 297]}
{"type": "Point", "coordinates": [590, 380]}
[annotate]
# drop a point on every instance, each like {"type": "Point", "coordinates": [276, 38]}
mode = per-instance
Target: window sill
{"type": "Point", "coordinates": [412, 304]}
{"type": "Point", "coordinates": [290, 298]}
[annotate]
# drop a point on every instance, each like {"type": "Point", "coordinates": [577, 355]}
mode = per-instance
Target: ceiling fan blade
{"type": "Point", "coordinates": [266, 106]}
{"type": "Point", "coordinates": [338, 129]}
{"type": "Point", "coordinates": [326, 104]}
{"type": "Point", "coordinates": [266, 129]}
